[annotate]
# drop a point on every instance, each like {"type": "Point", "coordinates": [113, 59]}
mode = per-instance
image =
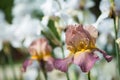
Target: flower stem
{"type": "Point", "coordinates": [39, 78]}
{"type": "Point", "coordinates": [3, 68]}
{"type": "Point", "coordinates": [89, 76]}
{"type": "Point", "coordinates": [67, 74]}
{"type": "Point", "coordinates": [116, 22]}
{"type": "Point", "coordinates": [45, 74]}
{"type": "Point", "coordinates": [9, 56]}
{"type": "Point", "coordinates": [44, 70]}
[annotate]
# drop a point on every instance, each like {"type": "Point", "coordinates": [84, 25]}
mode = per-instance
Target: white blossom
{"type": "Point", "coordinates": [32, 71]}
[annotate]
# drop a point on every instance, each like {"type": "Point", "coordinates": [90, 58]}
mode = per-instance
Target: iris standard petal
{"type": "Point", "coordinates": [85, 60]}
{"type": "Point", "coordinates": [77, 38]}
{"type": "Point", "coordinates": [92, 31]}
{"type": "Point", "coordinates": [63, 64]}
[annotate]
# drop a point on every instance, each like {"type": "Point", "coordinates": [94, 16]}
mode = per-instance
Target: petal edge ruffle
{"type": "Point", "coordinates": [63, 64]}
{"type": "Point", "coordinates": [85, 60]}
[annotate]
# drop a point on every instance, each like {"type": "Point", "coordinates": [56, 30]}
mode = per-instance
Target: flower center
{"type": "Point", "coordinates": [35, 57]}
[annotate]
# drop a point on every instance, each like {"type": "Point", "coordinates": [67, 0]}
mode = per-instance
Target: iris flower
{"type": "Point", "coordinates": [40, 50]}
{"type": "Point", "coordinates": [80, 42]}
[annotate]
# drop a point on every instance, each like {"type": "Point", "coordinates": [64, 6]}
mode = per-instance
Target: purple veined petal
{"type": "Point", "coordinates": [63, 64]}
{"type": "Point", "coordinates": [85, 60]}
{"type": "Point", "coordinates": [26, 64]}
{"type": "Point", "coordinates": [49, 64]}
{"type": "Point", "coordinates": [49, 67]}
{"type": "Point", "coordinates": [107, 57]}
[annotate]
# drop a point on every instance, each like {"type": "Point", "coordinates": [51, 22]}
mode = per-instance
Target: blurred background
{"type": "Point", "coordinates": [22, 21]}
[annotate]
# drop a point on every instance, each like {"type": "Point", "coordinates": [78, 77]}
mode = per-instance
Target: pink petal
{"type": "Point", "coordinates": [85, 60]}
{"type": "Point", "coordinates": [63, 64]}
{"type": "Point", "coordinates": [107, 57]}
{"type": "Point", "coordinates": [26, 64]}
{"type": "Point", "coordinates": [49, 64]}
{"type": "Point", "coordinates": [92, 31]}
{"type": "Point", "coordinates": [41, 46]}
{"type": "Point", "coordinates": [77, 38]}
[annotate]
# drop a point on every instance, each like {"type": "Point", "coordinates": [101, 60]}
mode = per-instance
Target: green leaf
{"type": "Point", "coordinates": [51, 37]}
{"type": "Point", "coordinates": [37, 14]}
{"type": "Point", "coordinates": [6, 7]}
{"type": "Point", "coordinates": [52, 27]}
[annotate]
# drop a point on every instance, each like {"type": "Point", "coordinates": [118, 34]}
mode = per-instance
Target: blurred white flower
{"type": "Point", "coordinates": [105, 11]}
{"type": "Point", "coordinates": [3, 29]}
{"type": "Point", "coordinates": [63, 36]}
{"type": "Point", "coordinates": [23, 27]}
{"type": "Point", "coordinates": [117, 6]}
{"type": "Point", "coordinates": [28, 41]}
{"type": "Point", "coordinates": [108, 26]}
{"type": "Point", "coordinates": [65, 19]}
{"type": "Point", "coordinates": [100, 19]}
{"type": "Point", "coordinates": [106, 23]}
{"type": "Point", "coordinates": [28, 27]}
{"type": "Point", "coordinates": [16, 43]}
{"type": "Point", "coordinates": [107, 71]}
{"type": "Point", "coordinates": [64, 9]}
{"type": "Point", "coordinates": [89, 4]}
{"type": "Point", "coordinates": [102, 41]}
{"type": "Point", "coordinates": [73, 4]}
{"type": "Point", "coordinates": [86, 17]}
{"type": "Point", "coordinates": [1, 46]}
{"type": "Point", "coordinates": [50, 7]}
{"type": "Point", "coordinates": [45, 20]}
{"type": "Point", "coordinates": [2, 16]}
{"type": "Point", "coordinates": [20, 10]}
{"type": "Point", "coordinates": [25, 7]}
{"type": "Point", "coordinates": [58, 52]}
{"type": "Point", "coordinates": [104, 6]}
{"type": "Point", "coordinates": [32, 71]}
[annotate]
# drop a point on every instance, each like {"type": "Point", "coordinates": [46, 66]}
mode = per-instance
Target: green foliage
{"type": "Point", "coordinates": [37, 14]}
{"type": "Point", "coordinates": [52, 27]}
{"type": "Point", "coordinates": [6, 7]}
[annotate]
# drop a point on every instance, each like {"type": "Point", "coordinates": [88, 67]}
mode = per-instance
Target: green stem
{"type": "Point", "coordinates": [116, 23]}
{"type": "Point", "coordinates": [75, 76]}
{"type": "Point", "coordinates": [67, 74]}
{"type": "Point", "coordinates": [12, 65]}
{"type": "Point", "coordinates": [45, 74]}
{"type": "Point", "coordinates": [89, 76]}
{"type": "Point", "coordinates": [4, 73]}
{"type": "Point", "coordinates": [39, 78]}
{"type": "Point", "coordinates": [44, 70]}
{"type": "Point", "coordinates": [3, 68]}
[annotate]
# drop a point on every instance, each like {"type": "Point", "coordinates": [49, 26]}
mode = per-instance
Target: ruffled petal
{"type": "Point", "coordinates": [63, 64]}
{"type": "Point", "coordinates": [49, 64]}
{"type": "Point", "coordinates": [92, 31]}
{"type": "Point", "coordinates": [107, 57]}
{"type": "Point", "coordinates": [26, 64]}
{"type": "Point", "coordinates": [85, 60]}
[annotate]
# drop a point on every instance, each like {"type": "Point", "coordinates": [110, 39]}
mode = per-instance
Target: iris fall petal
{"type": "Point", "coordinates": [85, 60]}
{"type": "Point", "coordinates": [62, 64]}
{"type": "Point", "coordinates": [26, 64]}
